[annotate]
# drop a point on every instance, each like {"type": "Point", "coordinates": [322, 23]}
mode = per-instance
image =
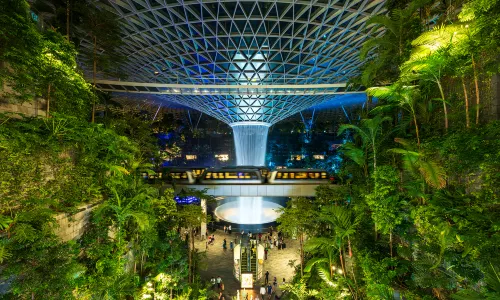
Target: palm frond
{"type": "Point", "coordinates": [433, 174]}
{"type": "Point", "coordinates": [354, 153]}
{"type": "Point", "coordinates": [140, 218]}
{"type": "Point", "coordinates": [383, 21]}
{"type": "Point", "coordinates": [492, 278]}
{"type": "Point", "coordinates": [318, 243]}
{"type": "Point", "coordinates": [312, 262]}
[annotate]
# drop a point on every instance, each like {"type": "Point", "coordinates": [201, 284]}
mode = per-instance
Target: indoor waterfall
{"type": "Point", "coordinates": [250, 141]}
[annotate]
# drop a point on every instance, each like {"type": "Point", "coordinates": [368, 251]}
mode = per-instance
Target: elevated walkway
{"type": "Point", "coordinates": [253, 190]}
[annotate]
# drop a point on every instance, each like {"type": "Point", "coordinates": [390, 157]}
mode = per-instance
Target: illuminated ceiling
{"type": "Point", "coordinates": [257, 42]}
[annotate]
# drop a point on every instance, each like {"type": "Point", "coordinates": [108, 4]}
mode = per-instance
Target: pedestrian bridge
{"type": "Point", "coordinates": [252, 190]}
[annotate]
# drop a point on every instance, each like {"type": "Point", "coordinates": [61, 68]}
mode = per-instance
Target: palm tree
{"type": "Point", "coordinates": [431, 55]}
{"type": "Point", "coordinates": [403, 96]}
{"type": "Point", "coordinates": [327, 248]}
{"type": "Point", "coordinates": [429, 68]}
{"type": "Point", "coordinates": [123, 210]}
{"type": "Point", "coordinates": [343, 222]}
{"type": "Point", "coordinates": [357, 155]}
{"type": "Point", "coordinates": [418, 163]}
{"type": "Point", "coordinates": [391, 47]}
{"type": "Point", "coordinates": [370, 131]}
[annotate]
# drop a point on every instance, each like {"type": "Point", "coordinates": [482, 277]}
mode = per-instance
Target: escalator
{"type": "Point", "coordinates": [252, 263]}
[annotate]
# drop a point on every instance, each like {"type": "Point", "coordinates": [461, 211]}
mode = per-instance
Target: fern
{"type": "Point", "coordinates": [24, 233]}
{"type": "Point", "coordinates": [4, 253]}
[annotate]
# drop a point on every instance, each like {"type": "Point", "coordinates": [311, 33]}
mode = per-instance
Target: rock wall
{"type": "Point", "coordinates": [31, 109]}
{"type": "Point", "coordinates": [71, 227]}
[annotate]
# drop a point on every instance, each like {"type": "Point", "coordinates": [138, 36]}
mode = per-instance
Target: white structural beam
{"type": "Point", "coordinates": [213, 89]}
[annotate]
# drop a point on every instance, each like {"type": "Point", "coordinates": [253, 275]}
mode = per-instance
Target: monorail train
{"type": "Point", "coordinates": [232, 175]}
{"type": "Point", "coordinates": [238, 175]}
{"type": "Point", "coordinates": [175, 174]}
{"type": "Point", "coordinates": [287, 176]}
{"type": "Point", "coordinates": [264, 171]}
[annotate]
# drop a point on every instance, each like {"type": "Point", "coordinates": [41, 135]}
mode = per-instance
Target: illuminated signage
{"type": "Point", "coordinates": [318, 156]}
{"type": "Point", "coordinates": [191, 157]}
{"type": "Point", "coordinates": [246, 280]}
{"type": "Point", "coordinates": [222, 157]}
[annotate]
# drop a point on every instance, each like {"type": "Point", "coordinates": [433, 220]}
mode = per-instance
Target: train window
{"type": "Point", "coordinates": [231, 175]}
{"type": "Point", "coordinates": [300, 175]}
{"type": "Point", "coordinates": [179, 175]}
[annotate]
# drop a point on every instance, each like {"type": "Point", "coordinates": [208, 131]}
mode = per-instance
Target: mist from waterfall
{"type": "Point", "coordinates": [250, 141]}
{"type": "Point", "coordinates": [248, 210]}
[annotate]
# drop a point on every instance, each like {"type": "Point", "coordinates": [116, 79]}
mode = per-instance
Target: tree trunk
{"type": "Point", "coordinates": [467, 121]}
{"type": "Point", "coordinates": [476, 83]}
{"type": "Point", "coordinates": [416, 125]}
{"type": "Point", "coordinates": [190, 258]}
{"type": "Point", "coordinates": [444, 104]}
{"type": "Point", "coordinates": [374, 157]}
{"type": "Point", "coordinates": [192, 251]}
{"type": "Point", "coordinates": [48, 100]}
{"type": "Point", "coordinates": [301, 254]}
{"type": "Point", "coordinates": [342, 262]}
{"type": "Point", "coordinates": [94, 78]}
{"type": "Point", "coordinates": [390, 243]}
{"type": "Point", "coordinates": [67, 20]}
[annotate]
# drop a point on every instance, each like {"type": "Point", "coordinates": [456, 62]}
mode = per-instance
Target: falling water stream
{"type": "Point", "coordinates": [250, 141]}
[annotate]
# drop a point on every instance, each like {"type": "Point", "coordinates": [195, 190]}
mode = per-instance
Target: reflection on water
{"type": "Point", "coordinates": [248, 210]}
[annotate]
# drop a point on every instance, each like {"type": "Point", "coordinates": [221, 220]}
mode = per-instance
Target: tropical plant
{"type": "Point", "coordinates": [391, 48]}
{"type": "Point", "coordinates": [296, 219]}
{"type": "Point", "coordinates": [343, 222]}
{"type": "Point", "coordinates": [402, 96]}
{"type": "Point", "coordinates": [371, 133]}
{"type": "Point", "coordinates": [101, 27]}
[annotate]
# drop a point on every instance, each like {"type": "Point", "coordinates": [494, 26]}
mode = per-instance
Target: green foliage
{"type": "Point", "coordinates": [298, 290]}
{"type": "Point", "coordinates": [44, 267]}
{"type": "Point", "coordinates": [40, 64]}
{"type": "Point", "coordinates": [384, 201]}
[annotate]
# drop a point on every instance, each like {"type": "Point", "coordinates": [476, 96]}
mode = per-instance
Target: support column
{"type": "Point", "coordinates": [203, 227]}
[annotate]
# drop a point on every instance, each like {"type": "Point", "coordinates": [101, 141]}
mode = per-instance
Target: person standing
{"type": "Point", "coordinates": [219, 282]}
{"type": "Point", "coordinates": [231, 245]}
{"type": "Point", "coordinates": [262, 291]}
{"type": "Point", "coordinates": [229, 229]}
{"type": "Point", "coordinates": [212, 281]}
{"type": "Point", "coordinates": [275, 284]}
{"type": "Point", "coordinates": [224, 228]}
{"type": "Point", "coordinates": [269, 290]}
{"type": "Point", "coordinates": [267, 277]}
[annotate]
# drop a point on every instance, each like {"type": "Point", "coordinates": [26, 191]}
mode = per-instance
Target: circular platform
{"type": "Point", "coordinates": [248, 210]}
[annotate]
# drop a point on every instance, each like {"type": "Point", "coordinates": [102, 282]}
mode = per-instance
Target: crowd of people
{"type": "Point", "coordinates": [269, 239]}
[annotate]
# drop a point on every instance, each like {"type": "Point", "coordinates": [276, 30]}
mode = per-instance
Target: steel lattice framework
{"type": "Point", "coordinates": [244, 42]}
